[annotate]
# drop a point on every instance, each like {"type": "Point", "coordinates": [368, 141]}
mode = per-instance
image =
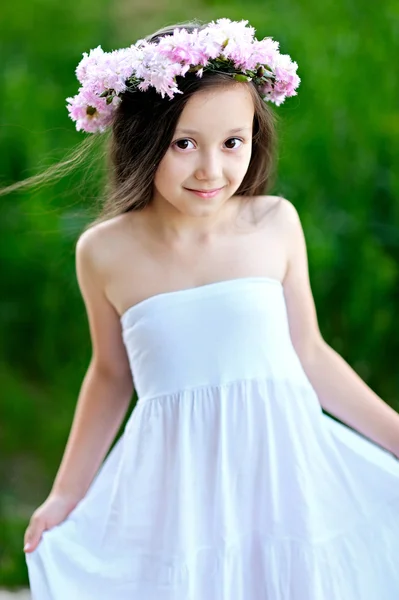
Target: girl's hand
{"type": "Point", "coordinates": [52, 512]}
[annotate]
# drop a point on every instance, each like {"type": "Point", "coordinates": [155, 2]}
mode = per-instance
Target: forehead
{"type": "Point", "coordinates": [218, 110]}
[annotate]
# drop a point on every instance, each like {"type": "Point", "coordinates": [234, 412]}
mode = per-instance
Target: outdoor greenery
{"type": "Point", "coordinates": [338, 163]}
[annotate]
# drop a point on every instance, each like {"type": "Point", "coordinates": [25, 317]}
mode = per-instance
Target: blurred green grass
{"type": "Point", "coordinates": [339, 143]}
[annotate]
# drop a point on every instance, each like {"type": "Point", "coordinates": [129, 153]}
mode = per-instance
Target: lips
{"type": "Point", "coordinates": [205, 193]}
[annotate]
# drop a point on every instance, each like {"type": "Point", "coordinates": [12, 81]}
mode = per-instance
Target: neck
{"type": "Point", "coordinates": [171, 225]}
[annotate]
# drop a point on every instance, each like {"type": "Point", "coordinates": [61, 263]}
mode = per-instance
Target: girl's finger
{"type": "Point", "coordinates": [33, 535]}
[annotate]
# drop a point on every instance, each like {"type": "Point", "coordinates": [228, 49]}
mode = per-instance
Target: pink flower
{"type": "Point", "coordinates": [265, 52]}
{"type": "Point", "coordinates": [90, 112]}
{"type": "Point", "coordinates": [236, 31]}
{"type": "Point", "coordinates": [182, 47]}
{"type": "Point", "coordinates": [89, 64]}
{"type": "Point", "coordinates": [210, 42]}
{"type": "Point", "coordinates": [286, 76]}
{"type": "Point", "coordinates": [105, 76]}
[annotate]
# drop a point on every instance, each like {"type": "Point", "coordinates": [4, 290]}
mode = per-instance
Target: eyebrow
{"type": "Point", "coordinates": [193, 132]}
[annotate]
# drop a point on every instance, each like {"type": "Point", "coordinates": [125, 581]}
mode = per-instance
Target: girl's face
{"type": "Point", "coordinates": [210, 152]}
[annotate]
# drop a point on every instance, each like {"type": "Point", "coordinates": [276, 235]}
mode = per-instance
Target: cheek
{"type": "Point", "coordinates": [241, 163]}
{"type": "Point", "coordinates": [169, 171]}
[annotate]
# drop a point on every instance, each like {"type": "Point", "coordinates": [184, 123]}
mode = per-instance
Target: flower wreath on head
{"type": "Point", "coordinates": [224, 46]}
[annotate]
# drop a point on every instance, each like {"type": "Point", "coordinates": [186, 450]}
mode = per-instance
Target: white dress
{"type": "Point", "coordinates": [229, 482]}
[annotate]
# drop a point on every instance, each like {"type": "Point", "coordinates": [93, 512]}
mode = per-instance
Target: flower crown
{"type": "Point", "coordinates": [224, 46]}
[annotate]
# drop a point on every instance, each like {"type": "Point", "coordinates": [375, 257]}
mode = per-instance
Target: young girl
{"type": "Point", "coordinates": [228, 482]}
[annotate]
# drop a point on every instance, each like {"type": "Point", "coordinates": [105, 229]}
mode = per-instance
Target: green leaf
{"type": "Point", "coordinates": [239, 77]}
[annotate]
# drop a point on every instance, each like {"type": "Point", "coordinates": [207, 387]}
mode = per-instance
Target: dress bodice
{"type": "Point", "coordinates": [209, 336]}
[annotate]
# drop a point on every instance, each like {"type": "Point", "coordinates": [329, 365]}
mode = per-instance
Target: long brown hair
{"type": "Point", "coordinates": [142, 131]}
{"type": "Point", "coordinates": [143, 128]}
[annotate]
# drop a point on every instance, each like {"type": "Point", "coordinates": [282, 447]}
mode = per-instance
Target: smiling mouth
{"type": "Point", "coordinates": [205, 191]}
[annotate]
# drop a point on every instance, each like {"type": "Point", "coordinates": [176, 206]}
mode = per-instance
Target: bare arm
{"type": "Point", "coordinates": [340, 390]}
{"type": "Point", "coordinates": [106, 390]}
{"type": "Point", "coordinates": [103, 400]}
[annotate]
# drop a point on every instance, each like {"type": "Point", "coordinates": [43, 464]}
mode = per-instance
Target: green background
{"type": "Point", "coordinates": [338, 163]}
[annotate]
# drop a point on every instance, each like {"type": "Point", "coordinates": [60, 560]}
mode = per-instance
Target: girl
{"type": "Point", "coordinates": [229, 482]}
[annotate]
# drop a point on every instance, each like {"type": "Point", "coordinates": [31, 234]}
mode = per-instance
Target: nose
{"type": "Point", "coordinates": [209, 167]}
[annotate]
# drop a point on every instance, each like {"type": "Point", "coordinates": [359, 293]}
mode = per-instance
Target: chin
{"type": "Point", "coordinates": [202, 210]}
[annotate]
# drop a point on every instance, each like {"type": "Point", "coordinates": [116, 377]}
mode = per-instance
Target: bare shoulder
{"type": "Point", "coordinates": [98, 243]}
{"type": "Point", "coordinates": [97, 252]}
{"type": "Point", "coordinates": [276, 215]}
{"type": "Point", "coordinates": [278, 208]}
{"type": "Point", "coordinates": [96, 256]}
{"type": "Point", "coordinates": [287, 228]}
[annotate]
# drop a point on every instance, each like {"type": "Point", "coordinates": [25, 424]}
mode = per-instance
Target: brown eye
{"type": "Point", "coordinates": [233, 143]}
{"type": "Point", "coordinates": [183, 144]}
